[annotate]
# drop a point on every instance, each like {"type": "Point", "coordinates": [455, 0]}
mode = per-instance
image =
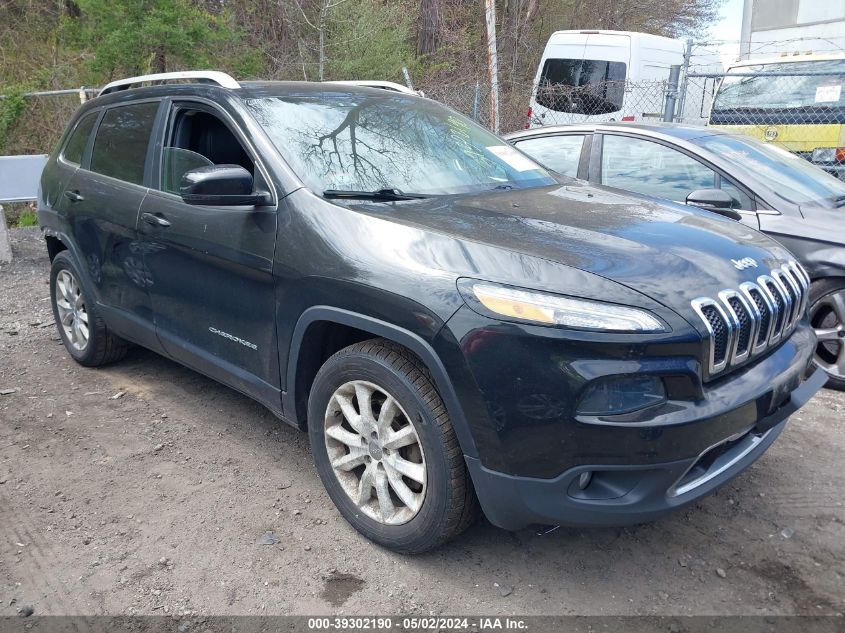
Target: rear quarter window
{"type": "Point", "coordinates": [561, 153]}
{"type": "Point", "coordinates": [120, 148]}
{"type": "Point", "coordinates": [75, 147]}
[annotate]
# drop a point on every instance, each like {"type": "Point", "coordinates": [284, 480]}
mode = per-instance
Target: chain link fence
{"type": "Point", "coordinates": [802, 112]}
{"type": "Point", "coordinates": [524, 105]}
{"type": "Point", "coordinates": [31, 123]}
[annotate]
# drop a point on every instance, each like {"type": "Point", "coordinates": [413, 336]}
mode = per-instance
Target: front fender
{"type": "Point", "coordinates": [380, 328]}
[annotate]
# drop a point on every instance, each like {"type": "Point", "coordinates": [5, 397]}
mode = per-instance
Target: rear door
{"type": "Point", "coordinates": [101, 203]}
{"type": "Point", "coordinates": [211, 268]}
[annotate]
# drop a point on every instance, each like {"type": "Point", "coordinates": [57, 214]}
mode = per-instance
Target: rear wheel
{"type": "Point", "coordinates": [385, 448]}
{"type": "Point", "coordinates": [827, 316]}
{"type": "Point", "coordinates": [83, 332]}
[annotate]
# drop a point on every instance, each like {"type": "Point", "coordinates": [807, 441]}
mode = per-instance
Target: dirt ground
{"type": "Point", "coordinates": [142, 488]}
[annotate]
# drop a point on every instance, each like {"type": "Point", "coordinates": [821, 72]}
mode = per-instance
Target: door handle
{"type": "Point", "coordinates": [73, 196]}
{"type": "Point", "coordinates": [155, 220]}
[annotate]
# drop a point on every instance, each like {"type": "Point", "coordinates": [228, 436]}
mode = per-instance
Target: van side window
{"type": "Point", "coordinates": [75, 147]}
{"type": "Point", "coordinates": [120, 148]}
{"type": "Point", "coordinates": [561, 153]}
{"type": "Point", "coordinates": [198, 139]}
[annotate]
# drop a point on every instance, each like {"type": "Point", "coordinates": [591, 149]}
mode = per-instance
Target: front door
{"type": "Point", "coordinates": [211, 268]}
{"type": "Point", "coordinates": [654, 169]}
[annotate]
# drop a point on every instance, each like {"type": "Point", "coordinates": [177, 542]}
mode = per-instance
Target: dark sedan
{"type": "Point", "coordinates": [761, 185]}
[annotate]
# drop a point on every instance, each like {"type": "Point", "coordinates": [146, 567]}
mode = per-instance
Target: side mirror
{"type": "Point", "coordinates": [220, 186]}
{"type": "Point", "coordinates": [714, 200]}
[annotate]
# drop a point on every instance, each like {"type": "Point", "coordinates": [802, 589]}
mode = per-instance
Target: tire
{"type": "Point", "coordinates": [827, 317]}
{"type": "Point", "coordinates": [100, 346]}
{"type": "Point", "coordinates": [438, 508]}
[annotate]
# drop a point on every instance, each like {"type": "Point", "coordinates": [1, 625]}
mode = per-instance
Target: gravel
{"type": "Point", "coordinates": [173, 531]}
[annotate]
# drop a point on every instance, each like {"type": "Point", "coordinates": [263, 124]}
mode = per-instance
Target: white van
{"type": "Point", "coordinates": [588, 76]}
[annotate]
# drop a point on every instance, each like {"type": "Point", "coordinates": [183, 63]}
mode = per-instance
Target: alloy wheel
{"type": "Point", "coordinates": [827, 316]}
{"type": "Point", "coordinates": [375, 452]}
{"type": "Point", "coordinates": [73, 317]}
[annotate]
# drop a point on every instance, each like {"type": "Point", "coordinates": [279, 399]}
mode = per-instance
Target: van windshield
{"type": "Point", "coordinates": [582, 86]}
{"type": "Point", "coordinates": [787, 99]}
{"type": "Point", "coordinates": [376, 140]}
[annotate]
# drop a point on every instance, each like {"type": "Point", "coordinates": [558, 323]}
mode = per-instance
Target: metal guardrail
{"type": "Point", "coordinates": [53, 93]}
{"type": "Point", "coordinates": [19, 176]}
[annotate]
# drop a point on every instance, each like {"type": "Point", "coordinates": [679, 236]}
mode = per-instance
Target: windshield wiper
{"type": "Point", "coordinates": [386, 194]}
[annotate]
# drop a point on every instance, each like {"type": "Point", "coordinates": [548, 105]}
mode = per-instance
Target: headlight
{"type": "Point", "coordinates": [547, 309]}
{"type": "Point", "coordinates": [828, 155]}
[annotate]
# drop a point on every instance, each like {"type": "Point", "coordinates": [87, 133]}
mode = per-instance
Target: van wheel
{"type": "Point", "coordinates": [385, 449]}
{"type": "Point", "coordinates": [85, 335]}
{"type": "Point", "coordinates": [827, 316]}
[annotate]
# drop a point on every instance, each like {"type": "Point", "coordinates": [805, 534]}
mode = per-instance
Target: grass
{"type": "Point", "coordinates": [27, 218]}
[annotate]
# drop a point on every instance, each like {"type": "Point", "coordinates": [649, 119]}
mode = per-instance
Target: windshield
{"type": "Point", "coordinates": [789, 175]}
{"type": "Point", "coordinates": [582, 86]}
{"type": "Point", "coordinates": [362, 141]}
{"type": "Point", "coordinates": [819, 94]}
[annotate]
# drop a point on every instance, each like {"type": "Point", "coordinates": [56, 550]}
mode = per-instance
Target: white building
{"type": "Point", "coordinates": [770, 27]}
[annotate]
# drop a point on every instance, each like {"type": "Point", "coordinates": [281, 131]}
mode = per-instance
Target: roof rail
{"type": "Point", "coordinates": [384, 85]}
{"type": "Point", "coordinates": [202, 76]}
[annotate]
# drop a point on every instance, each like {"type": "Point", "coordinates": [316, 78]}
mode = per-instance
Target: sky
{"type": "Point", "coordinates": [728, 29]}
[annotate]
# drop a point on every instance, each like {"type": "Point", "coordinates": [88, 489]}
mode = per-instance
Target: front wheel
{"type": "Point", "coordinates": [827, 316]}
{"type": "Point", "coordinates": [385, 449]}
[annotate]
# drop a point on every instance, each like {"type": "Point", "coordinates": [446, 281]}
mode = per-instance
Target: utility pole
{"type": "Point", "coordinates": [492, 64]}
{"type": "Point", "coordinates": [685, 70]}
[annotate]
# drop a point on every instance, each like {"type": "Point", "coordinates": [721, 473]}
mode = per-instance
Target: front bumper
{"type": "Point", "coordinates": [631, 493]}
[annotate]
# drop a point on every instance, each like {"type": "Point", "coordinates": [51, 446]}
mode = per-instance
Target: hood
{"type": "Point", "coordinates": [671, 254]}
{"type": "Point", "coordinates": [824, 224]}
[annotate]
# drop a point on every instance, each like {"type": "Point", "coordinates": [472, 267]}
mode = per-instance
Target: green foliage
{"type": "Point", "coordinates": [12, 104]}
{"type": "Point", "coordinates": [27, 218]}
{"type": "Point", "coordinates": [248, 64]}
{"type": "Point", "coordinates": [130, 37]}
{"type": "Point", "coordinates": [370, 39]}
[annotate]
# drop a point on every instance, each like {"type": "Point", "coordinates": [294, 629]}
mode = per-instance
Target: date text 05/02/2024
{"type": "Point", "coordinates": [423, 623]}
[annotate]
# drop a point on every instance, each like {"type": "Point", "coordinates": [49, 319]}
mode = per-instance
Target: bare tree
{"type": "Point", "coordinates": [429, 27]}
{"type": "Point", "coordinates": [318, 22]}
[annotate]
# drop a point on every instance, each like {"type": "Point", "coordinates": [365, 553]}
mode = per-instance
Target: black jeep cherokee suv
{"type": "Point", "coordinates": [451, 323]}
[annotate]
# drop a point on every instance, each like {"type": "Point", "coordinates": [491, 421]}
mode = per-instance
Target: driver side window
{"type": "Point", "coordinates": [197, 138]}
{"type": "Point", "coordinates": [652, 169]}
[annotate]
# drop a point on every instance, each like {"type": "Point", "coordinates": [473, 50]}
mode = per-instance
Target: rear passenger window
{"type": "Point", "coordinates": [120, 148]}
{"type": "Point", "coordinates": [561, 153]}
{"type": "Point", "coordinates": [75, 147]}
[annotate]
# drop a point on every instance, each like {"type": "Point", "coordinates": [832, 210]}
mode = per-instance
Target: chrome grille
{"type": "Point", "coordinates": [746, 322]}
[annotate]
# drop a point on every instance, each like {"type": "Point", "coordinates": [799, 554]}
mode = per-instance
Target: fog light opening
{"type": "Point", "coordinates": [584, 479]}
